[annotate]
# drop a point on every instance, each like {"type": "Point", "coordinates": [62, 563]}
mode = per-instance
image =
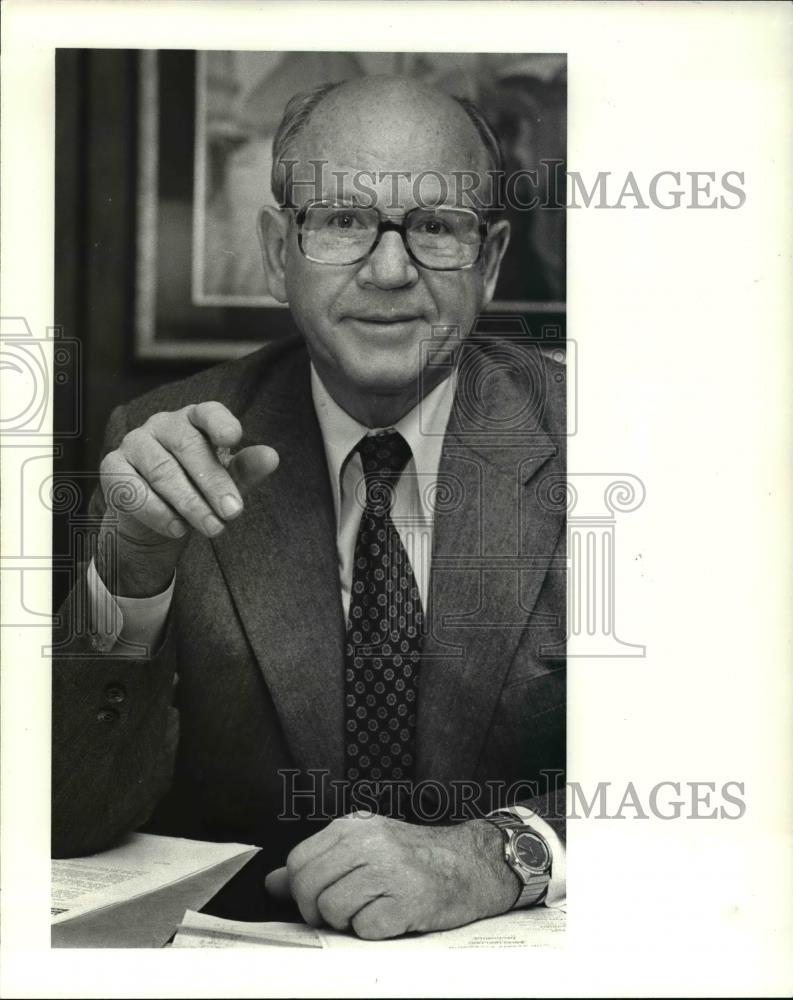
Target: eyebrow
{"type": "Point", "coordinates": [354, 201]}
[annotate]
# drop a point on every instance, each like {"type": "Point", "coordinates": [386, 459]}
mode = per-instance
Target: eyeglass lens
{"type": "Point", "coordinates": [442, 238]}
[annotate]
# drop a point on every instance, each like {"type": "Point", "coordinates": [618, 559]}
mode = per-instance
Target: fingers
{"type": "Point", "coordinates": [276, 883]}
{"type": "Point", "coordinates": [314, 846]}
{"type": "Point", "coordinates": [126, 491]}
{"type": "Point", "coordinates": [175, 480]}
{"type": "Point", "coordinates": [218, 424]}
{"type": "Point", "coordinates": [198, 458]}
{"type": "Point", "coordinates": [342, 900]}
{"type": "Point", "coordinates": [181, 457]}
{"type": "Point", "coordinates": [366, 877]}
{"type": "Point", "coordinates": [311, 848]}
{"type": "Point", "coordinates": [379, 919]}
{"type": "Point", "coordinates": [252, 465]}
{"type": "Point", "coordinates": [323, 898]}
{"type": "Point", "coordinates": [308, 884]}
{"type": "Point", "coordinates": [320, 861]}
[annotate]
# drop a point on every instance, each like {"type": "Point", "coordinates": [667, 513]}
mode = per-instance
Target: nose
{"type": "Point", "coordinates": [388, 265]}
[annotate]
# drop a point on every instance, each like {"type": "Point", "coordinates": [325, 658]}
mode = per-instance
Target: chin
{"type": "Point", "coordinates": [385, 382]}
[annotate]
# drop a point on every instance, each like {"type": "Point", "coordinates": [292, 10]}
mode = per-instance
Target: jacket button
{"type": "Point", "coordinates": [106, 715]}
{"type": "Point", "coordinates": [115, 693]}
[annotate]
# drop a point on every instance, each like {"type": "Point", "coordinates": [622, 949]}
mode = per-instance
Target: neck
{"type": "Point", "coordinates": [373, 409]}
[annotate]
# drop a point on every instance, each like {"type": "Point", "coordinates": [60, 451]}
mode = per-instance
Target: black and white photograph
{"type": "Point", "coordinates": [320, 610]}
{"type": "Point", "coordinates": [395, 429]}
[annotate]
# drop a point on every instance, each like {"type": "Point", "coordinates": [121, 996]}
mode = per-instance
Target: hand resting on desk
{"type": "Point", "coordinates": [381, 877]}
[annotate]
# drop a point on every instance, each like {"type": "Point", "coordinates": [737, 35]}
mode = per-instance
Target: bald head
{"type": "Point", "coordinates": [369, 290]}
{"type": "Point", "coordinates": [380, 124]}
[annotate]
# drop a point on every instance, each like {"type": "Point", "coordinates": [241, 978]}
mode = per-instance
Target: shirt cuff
{"type": "Point", "coordinates": [126, 624]}
{"type": "Point", "coordinates": [556, 897]}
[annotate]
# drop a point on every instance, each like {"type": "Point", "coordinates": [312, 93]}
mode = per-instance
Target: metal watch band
{"type": "Point", "coordinates": [535, 886]}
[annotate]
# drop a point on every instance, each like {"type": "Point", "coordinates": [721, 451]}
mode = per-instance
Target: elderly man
{"type": "Point", "coordinates": [326, 608]}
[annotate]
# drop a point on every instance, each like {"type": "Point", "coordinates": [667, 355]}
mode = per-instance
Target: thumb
{"type": "Point", "coordinates": [253, 465]}
{"type": "Point", "coordinates": [277, 884]}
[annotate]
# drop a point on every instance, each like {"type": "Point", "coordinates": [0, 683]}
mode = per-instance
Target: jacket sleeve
{"type": "Point", "coordinates": [114, 730]}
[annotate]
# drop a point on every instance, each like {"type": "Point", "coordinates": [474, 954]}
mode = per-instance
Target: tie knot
{"type": "Point", "coordinates": [384, 454]}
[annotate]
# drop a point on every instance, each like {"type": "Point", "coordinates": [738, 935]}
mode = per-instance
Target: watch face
{"type": "Point", "coordinates": [531, 851]}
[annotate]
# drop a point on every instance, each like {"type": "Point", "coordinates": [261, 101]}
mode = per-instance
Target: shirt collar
{"type": "Point", "coordinates": [423, 428]}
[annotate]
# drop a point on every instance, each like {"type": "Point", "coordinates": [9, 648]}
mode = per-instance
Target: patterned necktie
{"type": "Point", "coordinates": [384, 627]}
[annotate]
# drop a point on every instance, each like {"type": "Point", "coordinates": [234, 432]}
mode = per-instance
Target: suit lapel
{"type": "Point", "coordinates": [279, 560]}
{"type": "Point", "coordinates": [493, 543]}
{"type": "Point", "coordinates": [491, 551]}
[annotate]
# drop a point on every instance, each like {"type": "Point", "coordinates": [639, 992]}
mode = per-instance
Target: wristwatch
{"type": "Point", "coordinates": [528, 855]}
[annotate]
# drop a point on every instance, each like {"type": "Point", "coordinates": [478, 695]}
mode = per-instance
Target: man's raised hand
{"type": "Point", "coordinates": [178, 470]}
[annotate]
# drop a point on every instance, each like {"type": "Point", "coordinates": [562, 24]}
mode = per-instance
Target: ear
{"type": "Point", "coordinates": [273, 230]}
{"type": "Point", "coordinates": [493, 253]}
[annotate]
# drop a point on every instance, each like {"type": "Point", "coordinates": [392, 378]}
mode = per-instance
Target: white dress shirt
{"type": "Point", "coordinates": [412, 511]}
{"type": "Point", "coordinates": [137, 621]}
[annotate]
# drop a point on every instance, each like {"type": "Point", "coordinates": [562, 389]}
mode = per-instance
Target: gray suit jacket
{"type": "Point", "coordinates": [247, 686]}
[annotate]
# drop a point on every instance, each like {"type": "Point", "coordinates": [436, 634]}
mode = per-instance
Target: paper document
{"type": "Point", "coordinates": [532, 928]}
{"type": "Point", "coordinates": [198, 930]}
{"type": "Point", "coordinates": [134, 895]}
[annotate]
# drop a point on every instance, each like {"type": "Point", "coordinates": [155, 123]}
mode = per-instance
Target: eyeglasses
{"type": "Point", "coordinates": [440, 239]}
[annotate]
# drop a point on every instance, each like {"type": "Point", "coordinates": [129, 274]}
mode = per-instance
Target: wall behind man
{"type": "Point", "coordinates": [95, 191]}
{"type": "Point", "coordinates": [96, 162]}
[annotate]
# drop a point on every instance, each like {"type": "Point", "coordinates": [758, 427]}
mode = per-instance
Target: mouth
{"type": "Point", "coordinates": [383, 319]}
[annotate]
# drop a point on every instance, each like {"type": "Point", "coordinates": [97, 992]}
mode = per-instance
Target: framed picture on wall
{"type": "Point", "coordinates": [206, 124]}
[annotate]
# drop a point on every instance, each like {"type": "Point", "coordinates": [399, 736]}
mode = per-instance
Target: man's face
{"type": "Point", "coordinates": [366, 323]}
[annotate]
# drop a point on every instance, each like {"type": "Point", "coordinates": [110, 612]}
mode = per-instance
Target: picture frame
{"type": "Point", "coordinates": [205, 126]}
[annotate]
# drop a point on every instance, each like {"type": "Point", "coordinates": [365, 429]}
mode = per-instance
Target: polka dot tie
{"type": "Point", "coordinates": [384, 629]}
